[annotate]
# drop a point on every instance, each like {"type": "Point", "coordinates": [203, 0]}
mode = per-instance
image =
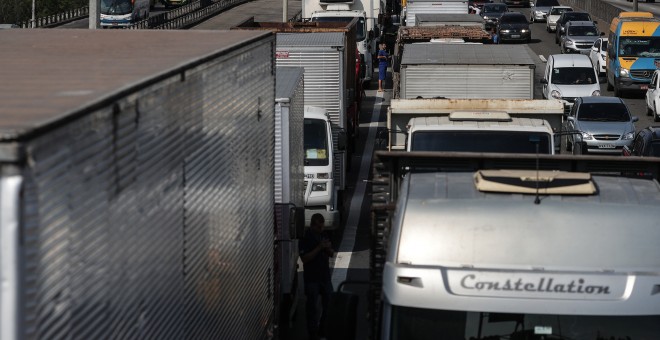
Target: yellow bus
{"type": "Point", "coordinates": [634, 51]}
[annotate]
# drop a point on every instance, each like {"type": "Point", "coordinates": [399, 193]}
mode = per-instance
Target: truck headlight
{"type": "Point", "coordinates": [595, 93]}
{"type": "Point", "coordinates": [586, 136]}
{"type": "Point", "coordinates": [322, 175]}
{"type": "Point", "coordinates": [624, 73]}
{"type": "Point", "coordinates": [629, 135]}
{"type": "Point", "coordinates": [319, 187]}
{"type": "Point", "coordinates": [555, 94]}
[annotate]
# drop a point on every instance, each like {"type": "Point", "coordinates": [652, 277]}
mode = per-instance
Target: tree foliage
{"type": "Point", "coordinates": [17, 11]}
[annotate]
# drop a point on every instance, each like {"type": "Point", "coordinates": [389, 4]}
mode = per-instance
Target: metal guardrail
{"type": "Point", "coordinates": [59, 18]}
{"type": "Point", "coordinates": [599, 9]}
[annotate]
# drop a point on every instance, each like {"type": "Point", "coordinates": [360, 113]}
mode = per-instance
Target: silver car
{"type": "Point", "coordinates": [553, 16]}
{"type": "Point", "coordinates": [580, 37]}
{"type": "Point", "coordinates": [599, 125]}
{"type": "Point", "coordinates": [540, 9]}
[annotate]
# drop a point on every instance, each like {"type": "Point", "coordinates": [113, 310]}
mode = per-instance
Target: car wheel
{"type": "Point", "coordinates": [656, 118]}
{"type": "Point", "coordinates": [617, 91]}
{"type": "Point", "coordinates": [556, 40]}
{"type": "Point", "coordinates": [609, 85]}
{"type": "Point", "coordinates": [649, 111]}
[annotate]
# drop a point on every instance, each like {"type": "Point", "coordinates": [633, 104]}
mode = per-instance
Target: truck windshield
{"type": "Point", "coordinates": [420, 324]}
{"type": "Point", "coordinates": [645, 47]}
{"type": "Point", "coordinates": [116, 7]}
{"type": "Point", "coordinates": [316, 143]}
{"type": "Point", "coordinates": [361, 26]}
{"type": "Point", "coordinates": [481, 141]}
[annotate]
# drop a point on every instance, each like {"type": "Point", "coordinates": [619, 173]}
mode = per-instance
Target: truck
{"type": "Point", "coordinates": [423, 34]}
{"type": "Point", "coordinates": [332, 87]}
{"type": "Point", "coordinates": [434, 19]}
{"type": "Point", "coordinates": [455, 124]}
{"type": "Point", "coordinates": [137, 203]}
{"type": "Point", "coordinates": [368, 13]}
{"type": "Point", "coordinates": [289, 191]}
{"type": "Point", "coordinates": [459, 248]}
{"type": "Point", "coordinates": [430, 70]}
{"type": "Point", "coordinates": [414, 7]}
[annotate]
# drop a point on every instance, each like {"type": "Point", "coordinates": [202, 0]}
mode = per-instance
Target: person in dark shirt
{"type": "Point", "coordinates": [315, 252]}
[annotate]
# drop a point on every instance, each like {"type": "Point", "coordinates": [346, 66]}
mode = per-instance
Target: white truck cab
{"type": "Point", "coordinates": [480, 132]}
{"type": "Point", "coordinates": [321, 193]}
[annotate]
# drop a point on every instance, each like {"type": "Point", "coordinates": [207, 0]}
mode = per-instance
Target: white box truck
{"type": "Point", "coordinates": [511, 125]}
{"type": "Point", "coordinates": [414, 7]}
{"type": "Point", "coordinates": [137, 184]}
{"type": "Point", "coordinates": [514, 246]}
{"type": "Point", "coordinates": [368, 30]}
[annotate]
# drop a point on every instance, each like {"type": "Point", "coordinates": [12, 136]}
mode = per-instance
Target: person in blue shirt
{"type": "Point", "coordinates": [315, 253]}
{"type": "Point", "coordinates": [382, 66]}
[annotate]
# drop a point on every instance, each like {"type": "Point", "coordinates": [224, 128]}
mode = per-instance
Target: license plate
{"type": "Point", "coordinates": [514, 36]}
{"type": "Point", "coordinates": [643, 87]}
{"type": "Point", "coordinates": [606, 146]}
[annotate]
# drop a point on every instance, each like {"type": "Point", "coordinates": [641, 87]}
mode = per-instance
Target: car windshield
{"type": "Point", "coordinates": [646, 47]}
{"type": "Point", "coordinates": [116, 7]}
{"type": "Point", "coordinates": [316, 142]}
{"type": "Point", "coordinates": [421, 324]}
{"type": "Point", "coordinates": [547, 3]}
{"type": "Point", "coordinates": [559, 11]}
{"type": "Point", "coordinates": [481, 141]}
{"type": "Point", "coordinates": [513, 19]}
{"type": "Point", "coordinates": [581, 31]}
{"type": "Point", "coordinates": [361, 26]}
{"type": "Point", "coordinates": [573, 76]}
{"type": "Point", "coordinates": [576, 16]}
{"type": "Point", "coordinates": [603, 112]}
{"type": "Point", "coordinates": [495, 9]}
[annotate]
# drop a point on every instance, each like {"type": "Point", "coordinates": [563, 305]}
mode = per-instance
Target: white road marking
{"type": "Point", "coordinates": [543, 58]}
{"type": "Point", "coordinates": [343, 256]}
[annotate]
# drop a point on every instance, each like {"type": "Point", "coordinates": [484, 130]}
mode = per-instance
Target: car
{"type": "Point", "coordinates": [653, 97]}
{"type": "Point", "coordinates": [491, 13]}
{"type": "Point", "coordinates": [598, 55]}
{"type": "Point", "coordinates": [645, 144]}
{"type": "Point", "coordinates": [580, 37]}
{"type": "Point", "coordinates": [568, 76]}
{"type": "Point", "coordinates": [541, 9]}
{"type": "Point", "coordinates": [521, 3]}
{"type": "Point", "coordinates": [553, 15]}
{"type": "Point", "coordinates": [513, 26]}
{"type": "Point", "coordinates": [601, 125]}
{"type": "Point", "coordinates": [566, 17]}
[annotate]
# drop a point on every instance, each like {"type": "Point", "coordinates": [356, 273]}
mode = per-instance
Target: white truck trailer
{"type": "Point", "coordinates": [490, 247]}
{"type": "Point", "coordinates": [289, 191]}
{"type": "Point", "coordinates": [137, 189]}
{"type": "Point", "coordinates": [368, 30]}
{"type": "Point", "coordinates": [430, 70]}
{"type": "Point", "coordinates": [466, 124]}
{"type": "Point", "coordinates": [414, 7]}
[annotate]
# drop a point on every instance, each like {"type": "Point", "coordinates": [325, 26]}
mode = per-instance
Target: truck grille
{"type": "Point", "coordinates": [643, 74]}
{"type": "Point", "coordinates": [607, 137]}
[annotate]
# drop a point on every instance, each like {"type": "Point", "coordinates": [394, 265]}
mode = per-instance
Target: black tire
{"type": "Point", "coordinates": [617, 91]}
{"type": "Point", "coordinates": [656, 118]}
{"type": "Point", "coordinates": [649, 111]}
{"type": "Point", "coordinates": [609, 85]}
{"type": "Point", "coordinates": [547, 28]}
{"type": "Point", "coordinates": [556, 40]}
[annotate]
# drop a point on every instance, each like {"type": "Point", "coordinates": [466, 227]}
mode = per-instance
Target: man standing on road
{"type": "Point", "coordinates": [315, 252]}
{"type": "Point", "coordinates": [382, 66]}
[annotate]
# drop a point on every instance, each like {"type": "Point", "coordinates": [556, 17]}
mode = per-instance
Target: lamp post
{"type": "Point", "coordinates": [33, 23]}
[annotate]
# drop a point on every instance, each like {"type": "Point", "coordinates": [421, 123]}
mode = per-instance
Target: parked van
{"type": "Point", "coordinates": [568, 76]}
{"type": "Point", "coordinates": [634, 48]}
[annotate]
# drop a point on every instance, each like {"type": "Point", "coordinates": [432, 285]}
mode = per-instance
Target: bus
{"type": "Point", "coordinates": [631, 56]}
{"type": "Point", "coordinates": [123, 13]}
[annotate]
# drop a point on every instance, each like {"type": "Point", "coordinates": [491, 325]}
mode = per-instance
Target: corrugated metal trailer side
{"type": "Point", "coordinates": [289, 190]}
{"type": "Point", "coordinates": [415, 7]}
{"type": "Point", "coordinates": [146, 206]}
{"type": "Point", "coordinates": [323, 58]}
{"type": "Point", "coordinates": [466, 71]}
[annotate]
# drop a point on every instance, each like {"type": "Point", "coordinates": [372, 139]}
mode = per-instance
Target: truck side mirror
{"type": "Point", "coordinates": [341, 140]}
{"type": "Point", "coordinates": [297, 225]}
